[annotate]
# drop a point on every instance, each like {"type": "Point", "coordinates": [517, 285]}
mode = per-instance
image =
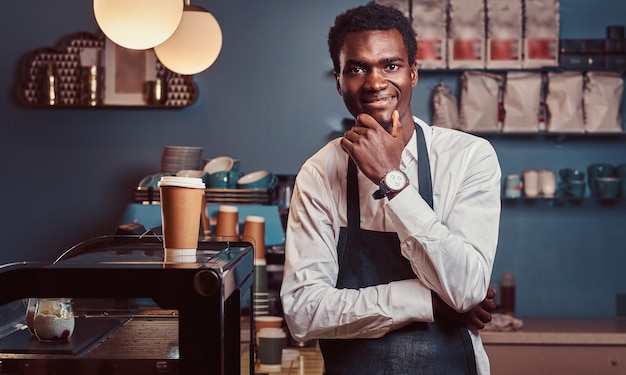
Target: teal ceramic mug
{"type": "Point", "coordinates": [596, 171]}
{"type": "Point", "coordinates": [258, 180]}
{"type": "Point", "coordinates": [609, 188]}
{"type": "Point", "coordinates": [621, 171]}
{"type": "Point", "coordinates": [222, 179]}
{"type": "Point", "coordinates": [569, 174]}
{"type": "Point", "coordinates": [576, 189]}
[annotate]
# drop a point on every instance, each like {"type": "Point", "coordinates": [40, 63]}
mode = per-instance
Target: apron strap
{"type": "Point", "coordinates": [423, 167]}
{"type": "Point", "coordinates": [354, 211]}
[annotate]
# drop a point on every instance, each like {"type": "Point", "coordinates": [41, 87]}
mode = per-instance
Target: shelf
{"type": "Point", "coordinates": [556, 137]}
{"type": "Point", "coordinates": [550, 69]}
{"type": "Point", "coordinates": [560, 201]}
{"type": "Point", "coordinates": [180, 90]}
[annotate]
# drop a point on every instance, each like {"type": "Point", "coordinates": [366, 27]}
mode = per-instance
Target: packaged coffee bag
{"type": "Point", "coordinates": [564, 100]}
{"type": "Point", "coordinates": [541, 28]}
{"type": "Point", "coordinates": [504, 34]}
{"type": "Point", "coordinates": [466, 38]}
{"type": "Point", "coordinates": [445, 108]}
{"type": "Point", "coordinates": [522, 96]}
{"type": "Point", "coordinates": [479, 102]}
{"type": "Point", "coordinates": [602, 98]}
{"type": "Point", "coordinates": [429, 22]}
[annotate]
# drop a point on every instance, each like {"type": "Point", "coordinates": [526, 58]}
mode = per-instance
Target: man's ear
{"type": "Point", "coordinates": [338, 85]}
{"type": "Point", "coordinates": [414, 74]}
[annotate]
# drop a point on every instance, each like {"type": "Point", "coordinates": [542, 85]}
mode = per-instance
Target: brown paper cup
{"type": "Point", "coordinates": [267, 321]}
{"type": "Point", "coordinates": [182, 200]}
{"type": "Point", "coordinates": [254, 232]}
{"type": "Point", "coordinates": [227, 227]}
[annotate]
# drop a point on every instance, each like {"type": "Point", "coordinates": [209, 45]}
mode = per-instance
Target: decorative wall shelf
{"type": "Point", "coordinates": [179, 90]}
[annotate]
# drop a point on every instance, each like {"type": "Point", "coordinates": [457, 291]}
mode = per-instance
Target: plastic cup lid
{"type": "Point", "coordinates": [187, 182]}
{"type": "Point", "coordinates": [256, 219]}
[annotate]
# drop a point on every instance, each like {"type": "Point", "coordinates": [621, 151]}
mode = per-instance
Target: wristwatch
{"type": "Point", "coordinates": [394, 181]}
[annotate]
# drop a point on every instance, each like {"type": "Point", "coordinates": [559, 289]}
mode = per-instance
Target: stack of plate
{"type": "Point", "coordinates": [177, 158]}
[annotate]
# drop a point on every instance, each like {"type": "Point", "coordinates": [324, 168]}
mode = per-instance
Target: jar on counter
{"type": "Point", "coordinates": [507, 293]}
{"type": "Point", "coordinates": [54, 319]}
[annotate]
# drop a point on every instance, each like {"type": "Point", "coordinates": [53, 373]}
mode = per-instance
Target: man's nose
{"type": "Point", "coordinates": [375, 80]}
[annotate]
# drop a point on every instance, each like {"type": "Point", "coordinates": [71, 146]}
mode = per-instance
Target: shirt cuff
{"type": "Point", "coordinates": [411, 301]}
{"type": "Point", "coordinates": [403, 208]}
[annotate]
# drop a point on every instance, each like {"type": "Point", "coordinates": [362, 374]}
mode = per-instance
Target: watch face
{"type": "Point", "coordinates": [395, 180]}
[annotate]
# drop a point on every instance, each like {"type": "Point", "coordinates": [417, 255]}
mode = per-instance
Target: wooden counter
{"type": "Point", "coordinates": [559, 346]}
{"type": "Point", "coordinates": [542, 347]}
{"type": "Point", "coordinates": [309, 362]}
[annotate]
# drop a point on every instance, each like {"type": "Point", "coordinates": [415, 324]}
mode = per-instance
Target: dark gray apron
{"type": "Point", "coordinates": [368, 258]}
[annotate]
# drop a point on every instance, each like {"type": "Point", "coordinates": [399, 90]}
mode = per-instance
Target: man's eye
{"type": "Point", "coordinates": [357, 70]}
{"type": "Point", "coordinates": [393, 67]}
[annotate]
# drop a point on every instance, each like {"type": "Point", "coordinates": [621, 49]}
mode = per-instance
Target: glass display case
{"type": "Point", "coordinates": [134, 312]}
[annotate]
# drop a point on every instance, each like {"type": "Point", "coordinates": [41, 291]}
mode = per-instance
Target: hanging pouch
{"type": "Point", "coordinates": [445, 108]}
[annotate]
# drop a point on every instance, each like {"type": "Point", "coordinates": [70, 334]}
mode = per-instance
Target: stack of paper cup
{"type": "Point", "coordinates": [261, 301]}
{"type": "Point", "coordinates": [227, 226]}
{"type": "Point", "coordinates": [182, 199]}
{"type": "Point", "coordinates": [254, 232]}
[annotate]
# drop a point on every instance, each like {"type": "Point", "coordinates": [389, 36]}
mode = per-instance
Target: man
{"type": "Point", "coordinates": [393, 228]}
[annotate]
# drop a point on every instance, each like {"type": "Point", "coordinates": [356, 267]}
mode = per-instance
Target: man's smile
{"type": "Point", "coordinates": [378, 102]}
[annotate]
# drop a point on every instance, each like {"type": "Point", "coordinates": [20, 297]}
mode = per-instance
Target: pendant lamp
{"type": "Point", "coordinates": [138, 24]}
{"type": "Point", "coordinates": [195, 44]}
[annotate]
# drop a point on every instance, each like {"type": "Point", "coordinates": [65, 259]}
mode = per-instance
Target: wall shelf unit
{"type": "Point", "coordinates": [561, 201]}
{"type": "Point", "coordinates": [179, 90]}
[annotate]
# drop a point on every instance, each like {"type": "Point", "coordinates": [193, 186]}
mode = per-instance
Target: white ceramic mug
{"type": "Point", "coordinates": [547, 183]}
{"type": "Point", "coordinates": [220, 163]}
{"type": "Point", "coordinates": [531, 183]}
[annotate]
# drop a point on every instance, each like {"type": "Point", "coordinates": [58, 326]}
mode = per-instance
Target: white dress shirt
{"type": "Point", "coordinates": [451, 249]}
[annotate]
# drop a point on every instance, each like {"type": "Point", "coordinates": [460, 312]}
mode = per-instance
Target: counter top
{"type": "Point", "coordinates": [536, 331]}
{"type": "Point", "coordinates": [558, 331]}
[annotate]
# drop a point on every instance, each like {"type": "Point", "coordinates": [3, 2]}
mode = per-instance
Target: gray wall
{"type": "Point", "coordinates": [269, 100]}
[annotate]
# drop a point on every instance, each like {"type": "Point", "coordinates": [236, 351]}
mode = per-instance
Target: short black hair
{"type": "Point", "coordinates": [369, 17]}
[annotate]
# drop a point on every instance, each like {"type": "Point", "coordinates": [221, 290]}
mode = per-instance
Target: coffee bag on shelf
{"type": "Point", "coordinates": [564, 100]}
{"type": "Point", "coordinates": [541, 29]}
{"type": "Point", "coordinates": [522, 97]}
{"type": "Point", "coordinates": [466, 37]}
{"type": "Point", "coordinates": [602, 98]}
{"type": "Point", "coordinates": [445, 108]}
{"type": "Point", "coordinates": [429, 22]}
{"type": "Point", "coordinates": [504, 34]}
{"type": "Point", "coordinates": [479, 110]}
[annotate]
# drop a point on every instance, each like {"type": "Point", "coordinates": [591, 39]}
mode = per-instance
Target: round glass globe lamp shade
{"type": "Point", "coordinates": [138, 24]}
{"type": "Point", "coordinates": [195, 44]}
